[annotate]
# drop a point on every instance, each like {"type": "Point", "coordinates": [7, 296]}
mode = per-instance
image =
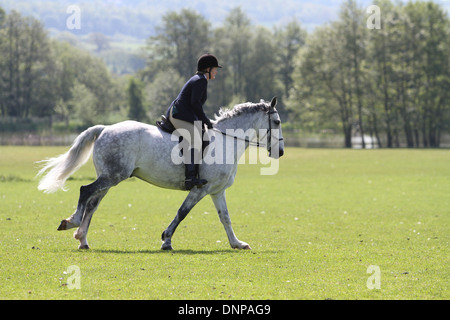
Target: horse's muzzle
{"type": "Point", "coordinates": [276, 155]}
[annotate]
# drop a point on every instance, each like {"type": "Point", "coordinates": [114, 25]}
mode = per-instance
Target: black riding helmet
{"type": "Point", "coordinates": [207, 61]}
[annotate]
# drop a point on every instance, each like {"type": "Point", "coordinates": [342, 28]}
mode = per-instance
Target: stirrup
{"type": "Point", "coordinates": [190, 183]}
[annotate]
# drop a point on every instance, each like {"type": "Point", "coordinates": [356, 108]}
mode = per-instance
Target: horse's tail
{"type": "Point", "coordinates": [63, 166]}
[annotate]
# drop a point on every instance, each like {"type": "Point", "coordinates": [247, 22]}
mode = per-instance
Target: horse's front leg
{"type": "Point", "coordinates": [221, 206]}
{"type": "Point", "coordinates": [194, 196]}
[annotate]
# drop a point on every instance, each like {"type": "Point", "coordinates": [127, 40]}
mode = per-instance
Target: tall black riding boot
{"type": "Point", "coordinates": [191, 171]}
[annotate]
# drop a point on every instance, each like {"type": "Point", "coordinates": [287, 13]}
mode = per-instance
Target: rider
{"type": "Point", "coordinates": [188, 108]}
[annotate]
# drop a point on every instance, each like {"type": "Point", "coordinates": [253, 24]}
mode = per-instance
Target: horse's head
{"type": "Point", "coordinates": [275, 142]}
{"type": "Point", "coordinates": [259, 118]}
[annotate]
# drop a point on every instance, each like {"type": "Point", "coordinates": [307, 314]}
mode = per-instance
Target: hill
{"type": "Point", "coordinates": [139, 18]}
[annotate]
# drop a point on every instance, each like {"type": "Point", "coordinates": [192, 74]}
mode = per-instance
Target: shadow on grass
{"type": "Point", "coordinates": [159, 251]}
{"type": "Point", "coordinates": [174, 252]}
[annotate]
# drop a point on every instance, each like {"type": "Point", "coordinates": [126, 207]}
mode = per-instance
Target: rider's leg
{"type": "Point", "coordinates": [193, 156]}
{"type": "Point", "coordinates": [191, 172]}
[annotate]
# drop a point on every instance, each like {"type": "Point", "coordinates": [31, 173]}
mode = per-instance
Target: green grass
{"type": "Point", "coordinates": [315, 228]}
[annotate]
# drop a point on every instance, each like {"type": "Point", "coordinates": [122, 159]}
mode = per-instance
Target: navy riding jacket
{"type": "Point", "coordinates": [188, 106]}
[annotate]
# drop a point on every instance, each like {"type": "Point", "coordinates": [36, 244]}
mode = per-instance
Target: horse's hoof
{"type": "Point", "coordinates": [83, 247]}
{"type": "Point", "coordinates": [63, 225]}
{"type": "Point", "coordinates": [242, 246]}
{"type": "Point", "coordinates": [166, 247]}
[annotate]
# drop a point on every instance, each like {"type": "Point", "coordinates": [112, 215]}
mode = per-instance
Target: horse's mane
{"type": "Point", "coordinates": [247, 107]}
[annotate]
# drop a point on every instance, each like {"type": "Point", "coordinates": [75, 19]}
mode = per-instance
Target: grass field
{"type": "Point", "coordinates": [315, 229]}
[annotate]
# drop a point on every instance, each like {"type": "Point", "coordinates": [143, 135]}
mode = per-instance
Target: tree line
{"type": "Point", "coordinates": [390, 83]}
{"type": "Point", "coordinates": [40, 77]}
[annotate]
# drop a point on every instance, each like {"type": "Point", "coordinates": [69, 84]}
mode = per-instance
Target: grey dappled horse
{"type": "Point", "coordinates": [133, 149]}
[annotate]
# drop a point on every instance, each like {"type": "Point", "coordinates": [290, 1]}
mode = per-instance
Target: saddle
{"type": "Point", "coordinates": [165, 125]}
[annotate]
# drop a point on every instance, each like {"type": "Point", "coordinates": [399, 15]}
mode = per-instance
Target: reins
{"type": "Point", "coordinates": [252, 143]}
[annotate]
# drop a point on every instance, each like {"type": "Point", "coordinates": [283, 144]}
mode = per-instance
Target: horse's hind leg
{"type": "Point", "coordinates": [76, 218]}
{"type": "Point", "coordinates": [91, 207]}
{"type": "Point", "coordinates": [192, 199]}
{"type": "Point", "coordinates": [90, 197]}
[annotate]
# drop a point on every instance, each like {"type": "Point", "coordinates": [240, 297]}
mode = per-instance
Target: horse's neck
{"type": "Point", "coordinates": [244, 123]}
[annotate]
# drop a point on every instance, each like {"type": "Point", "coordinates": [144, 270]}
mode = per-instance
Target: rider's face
{"type": "Point", "coordinates": [213, 74]}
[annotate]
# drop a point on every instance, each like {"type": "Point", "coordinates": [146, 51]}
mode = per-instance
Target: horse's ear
{"type": "Point", "coordinates": [274, 102]}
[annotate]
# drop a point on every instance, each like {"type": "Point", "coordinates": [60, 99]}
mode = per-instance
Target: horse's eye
{"type": "Point", "coordinates": [277, 122]}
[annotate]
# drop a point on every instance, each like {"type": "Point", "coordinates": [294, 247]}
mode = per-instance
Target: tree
{"type": "Point", "coordinates": [237, 34]}
{"type": "Point", "coordinates": [381, 54]}
{"type": "Point", "coordinates": [261, 78]}
{"type": "Point", "coordinates": [2, 65]}
{"type": "Point", "coordinates": [83, 103]}
{"type": "Point", "coordinates": [24, 50]}
{"type": "Point", "coordinates": [435, 70]}
{"type": "Point", "coordinates": [231, 42]}
{"type": "Point", "coordinates": [100, 40]}
{"type": "Point", "coordinates": [289, 41]}
{"type": "Point", "coordinates": [352, 27]}
{"type": "Point", "coordinates": [323, 80]}
{"type": "Point", "coordinates": [74, 67]}
{"type": "Point", "coordinates": [180, 40]}
{"type": "Point", "coordinates": [2, 16]}
{"type": "Point", "coordinates": [162, 91]}
{"type": "Point", "coordinates": [135, 100]}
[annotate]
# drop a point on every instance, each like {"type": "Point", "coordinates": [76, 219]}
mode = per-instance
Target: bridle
{"type": "Point", "coordinates": [257, 144]}
{"type": "Point", "coordinates": [269, 132]}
